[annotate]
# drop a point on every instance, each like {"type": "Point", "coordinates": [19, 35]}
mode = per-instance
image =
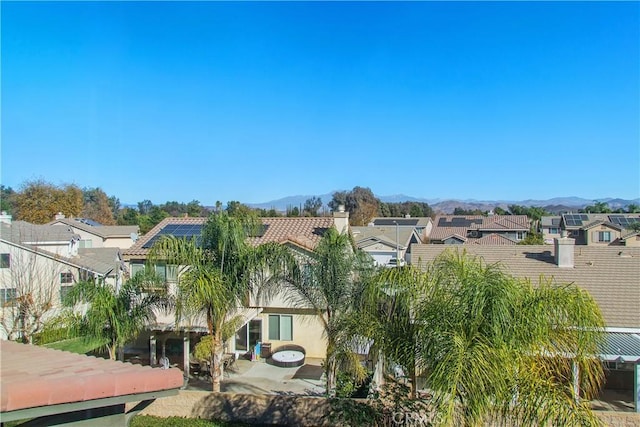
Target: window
{"type": "Point", "coordinates": [136, 268]}
{"type": "Point", "coordinates": [5, 260]}
{"type": "Point", "coordinates": [519, 235]}
{"type": "Point", "coordinates": [280, 327]}
{"type": "Point", "coordinates": [161, 271]}
{"type": "Point", "coordinates": [85, 243]}
{"type": "Point", "coordinates": [172, 273]}
{"type": "Point", "coordinates": [66, 278]}
{"type": "Point", "coordinates": [64, 290]}
{"type": "Point", "coordinates": [554, 230]}
{"type": "Point", "coordinates": [604, 236]}
{"type": "Point", "coordinates": [7, 295]}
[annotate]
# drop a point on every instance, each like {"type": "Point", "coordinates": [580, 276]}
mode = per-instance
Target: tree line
{"type": "Point", "coordinates": [38, 201]}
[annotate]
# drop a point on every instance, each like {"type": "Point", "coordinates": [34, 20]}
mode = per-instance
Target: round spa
{"type": "Point", "coordinates": [288, 356]}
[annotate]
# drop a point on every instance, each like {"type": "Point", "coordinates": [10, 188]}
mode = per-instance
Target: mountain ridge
{"type": "Point", "coordinates": [555, 204]}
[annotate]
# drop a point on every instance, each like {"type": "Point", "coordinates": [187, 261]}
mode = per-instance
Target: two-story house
{"type": "Point", "coordinates": [601, 229]}
{"type": "Point", "coordinates": [276, 321]}
{"type": "Point", "coordinates": [40, 263]}
{"type": "Point", "coordinates": [478, 229]}
{"type": "Point", "coordinates": [95, 235]}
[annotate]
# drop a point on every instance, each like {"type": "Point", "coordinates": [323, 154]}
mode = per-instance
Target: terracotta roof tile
{"type": "Point", "coordinates": [302, 231]}
{"type": "Point", "coordinates": [32, 376]}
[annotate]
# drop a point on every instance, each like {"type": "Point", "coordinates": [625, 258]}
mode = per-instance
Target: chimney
{"type": "Point", "coordinates": [59, 215]}
{"type": "Point", "coordinates": [341, 220]}
{"type": "Point", "coordinates": [5, 218]}
{"type": "Point", "coordinates": [565, 248]}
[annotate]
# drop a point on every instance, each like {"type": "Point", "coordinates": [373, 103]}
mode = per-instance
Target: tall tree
{"type": "Point", "coordinates": [97, 206]}
{"type": "Point", "coordinates": [360, 202]}
{"type": "Point", "coordinates": [312, 206]}
{"type": "Point", "coordinates": [494, 346]}
{"type": "Point", "coordinates": [38, 201]}
{"type": "Point", "coordinates": [598, 207]}
{"type": "Point", "coordinates": [331, 283]}
{"type": "Point", "coordinates": [7, 196]}
{"type": "Point", "coordinates": [386, 316]}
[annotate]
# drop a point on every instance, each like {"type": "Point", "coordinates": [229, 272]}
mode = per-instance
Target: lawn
{"type": "Point", "coordinates": [75, 345]}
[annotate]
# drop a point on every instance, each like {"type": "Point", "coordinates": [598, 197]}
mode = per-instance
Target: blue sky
{"type": "Point", "coordinates": [257, 101]}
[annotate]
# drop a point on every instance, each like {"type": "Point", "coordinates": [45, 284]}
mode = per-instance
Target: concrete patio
{"type": "Point", "coordinates": [259, 377]}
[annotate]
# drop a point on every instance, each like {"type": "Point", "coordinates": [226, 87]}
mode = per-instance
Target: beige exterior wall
{"type": "Point", "coordinates": [123, 242]}
{"type": "Point", "coordinates": [34, 275]}
{"type": "Point", "coordinates": [592, 235]}
{"type": "Point", "coordinates": [307, 331]}
{"type": "Point", "coordinates": [633, 241]}
{"type": "Point", "coordinates": [118, 242]}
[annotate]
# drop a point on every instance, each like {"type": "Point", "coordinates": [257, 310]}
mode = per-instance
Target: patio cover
{"type": "Point", "coordinates": [624, 347]}
{"type": "Point", "coordinates": [57, 387]}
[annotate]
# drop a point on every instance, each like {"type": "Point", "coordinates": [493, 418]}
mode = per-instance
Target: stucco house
{"type": "Point", "coordinates": [276, 321]}
{"type": "Point", "coordinates": [42, 262]}
{"type": "Point", "coordinates": [469, 229]}
{"type": "Point", "coordinates": [601, 229]}
{"type": "Point", "coordinates": [94, 235]}
{"type": "Point", "coordinates": [610, 274]}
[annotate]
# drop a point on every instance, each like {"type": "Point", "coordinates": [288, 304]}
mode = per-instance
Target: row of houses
{"type": "Point", "coordinates": [611, 273]}
{"type": "Point", "coordinates": [388, 239]}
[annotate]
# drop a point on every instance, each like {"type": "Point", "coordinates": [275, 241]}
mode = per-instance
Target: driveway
{"type": "Point", "coordinates": [258, 377]}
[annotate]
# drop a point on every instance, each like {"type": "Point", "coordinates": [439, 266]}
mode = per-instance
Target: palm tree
{"type": "Point", "coordinates": [219, 276]}
{"type": "Point", "coordinates": [386, 316]}
{"type": "Point", "coordinates": [331, 283]}
{"type": "Point", "coordinates": [494, 346]}
{"type": "Point", "coordinates": [106, 316]}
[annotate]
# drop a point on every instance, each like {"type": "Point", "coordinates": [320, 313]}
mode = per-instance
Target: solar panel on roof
{"type": "Point", "coordinates": [178, 230]}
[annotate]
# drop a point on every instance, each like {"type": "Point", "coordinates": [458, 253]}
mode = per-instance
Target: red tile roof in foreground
{"type": "Point", "coordinates": [32, 376]}
{"type": "Point", "coordinates": [301, 231]}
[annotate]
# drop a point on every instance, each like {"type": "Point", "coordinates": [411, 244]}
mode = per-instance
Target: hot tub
{"type": "Point", "coordinates": [288, 358]}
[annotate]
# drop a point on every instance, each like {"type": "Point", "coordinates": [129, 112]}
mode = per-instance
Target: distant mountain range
{"type": "Point", "coordinates": [555, 205]}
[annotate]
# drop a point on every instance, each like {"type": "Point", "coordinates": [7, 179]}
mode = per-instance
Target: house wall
{"type": "Point", "coordinates": [96, 241]}
{"type": "Point", "coordinates": [118, 242]}
{"type": "Point", "coordinates": [592, 235]}
{"type": "Point", "coordinates": [632, 241]}
{"type": "Point", "coordinates": [30, 274]}
{"type": "Point", "coordinates": [307, 331]}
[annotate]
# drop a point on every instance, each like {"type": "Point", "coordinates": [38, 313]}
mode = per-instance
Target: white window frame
{"type": "Point", "coordinates": [7, 295]}
{"type": "Point", "coordinates": [64, 290]}
{"type": "Point", "coordinates": [66, 278]}
{"type": "Point", "coordinates": [602, 234]}
{"type": "Point", "coordinates": [6, 260]}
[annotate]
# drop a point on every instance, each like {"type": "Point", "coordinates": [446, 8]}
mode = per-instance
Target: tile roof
{"type": "Point", "coordinates": [494, 239]}
{"type": "Point", "coordinates": [417, 221]}
{"type": "Point", "coordinates": [24, 232]}
{"type": "Point", "coordinates": [104, 231]}
{"type": "Point", "coordinates": [610, 274]}
{"type": "Point", "coordinates": [305, 232]}
{"type": "Point", "coordinates": [98, 260]}
{"type": "Point", "coordinates": [32, 376]}
{"type": "Point", "coordinates": [445, 226]}
{"type": "Point", "coordinates": [387, 234]}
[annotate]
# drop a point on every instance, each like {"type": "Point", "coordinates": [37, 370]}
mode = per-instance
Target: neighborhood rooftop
{"type": "Point", "coordinates": [304, 232]}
